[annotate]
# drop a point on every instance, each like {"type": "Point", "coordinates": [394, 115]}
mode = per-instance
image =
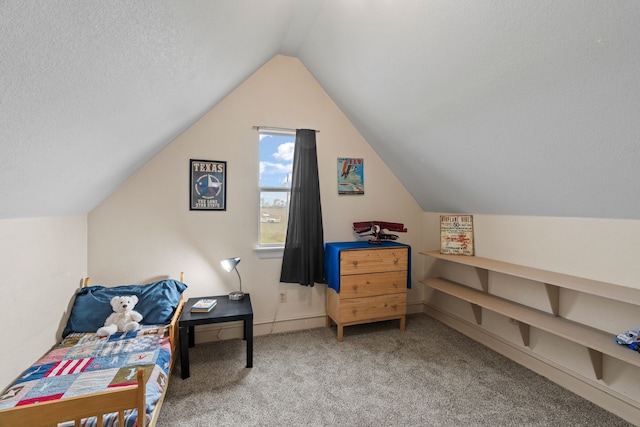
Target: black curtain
{"type": "Point", "coordinates": [303, 259]}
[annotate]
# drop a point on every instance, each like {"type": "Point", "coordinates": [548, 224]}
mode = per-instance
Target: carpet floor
{"type": "Point", "coordinates": [430, 375]}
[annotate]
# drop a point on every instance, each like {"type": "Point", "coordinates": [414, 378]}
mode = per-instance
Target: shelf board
{"type": "Point", "coordinates": [596, 341]}
{"type": "Point", "coordinates": [593, 287]}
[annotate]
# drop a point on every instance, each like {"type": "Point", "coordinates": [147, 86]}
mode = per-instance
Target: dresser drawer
{"type": "Point", "coordinates": [370, 284]}
{"type": "Point", "coordinates": [373, 260]}
{"type": "Point", "coordinates": [358, 309]}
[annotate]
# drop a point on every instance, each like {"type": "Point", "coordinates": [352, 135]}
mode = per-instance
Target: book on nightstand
{"type": "Point", "coordinates": [204, 305]}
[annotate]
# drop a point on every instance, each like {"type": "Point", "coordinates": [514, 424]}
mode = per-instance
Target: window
{"type": "Point", "coordinates": [276, 163]}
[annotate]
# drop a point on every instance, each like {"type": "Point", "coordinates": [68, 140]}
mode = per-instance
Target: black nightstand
{"type": "Point", "coordinates": [225, 311]}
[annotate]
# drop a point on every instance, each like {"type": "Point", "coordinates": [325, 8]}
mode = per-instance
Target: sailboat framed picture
{"type": "Point", "coordinates": [208, 185]}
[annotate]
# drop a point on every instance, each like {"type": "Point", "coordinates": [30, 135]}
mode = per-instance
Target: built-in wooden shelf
{"type": "Point", "coordinates": [597, 342]}
{"type": "Point", "coordinates": [553, 281]}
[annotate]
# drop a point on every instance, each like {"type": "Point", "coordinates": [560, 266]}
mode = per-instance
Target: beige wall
{"type": "Point", "coordinates": [145, 230]}
{"type": "Point", "coordinates": [597, 249]}
{"type": "Point", "coordinates": [42, 262]}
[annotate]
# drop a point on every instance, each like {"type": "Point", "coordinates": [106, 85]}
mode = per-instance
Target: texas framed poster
{"type": "Point", "coordinates": [208, 185]}
{"type": "Point", "coordinates": [350, 176]}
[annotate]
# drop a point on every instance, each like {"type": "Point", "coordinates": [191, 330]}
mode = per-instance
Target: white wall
{"type": "Point", "coordinates": [42, 263]}
{"type": "Point", "coordinates": [145, 230]}
{"type": "Point", "coordinates": [598, 249]}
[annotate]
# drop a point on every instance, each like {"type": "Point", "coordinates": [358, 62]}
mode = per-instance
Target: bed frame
{"type": "Point", "coordinates": [49, 414]}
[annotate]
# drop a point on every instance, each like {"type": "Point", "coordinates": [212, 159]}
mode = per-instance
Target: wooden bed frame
{"type": "Point", "coordinates": [49, 414]}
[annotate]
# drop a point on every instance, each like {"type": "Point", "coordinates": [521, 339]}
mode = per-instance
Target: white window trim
{"type": "Point", "coordinates": [268, 252]}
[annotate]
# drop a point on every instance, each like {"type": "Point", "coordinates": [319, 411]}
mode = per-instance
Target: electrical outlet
{"type": "Point", "coordinates": [283, 297]}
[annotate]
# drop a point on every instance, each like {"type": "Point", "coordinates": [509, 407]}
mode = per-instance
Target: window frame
{"type": "Point", "coordinates": [271, 250]}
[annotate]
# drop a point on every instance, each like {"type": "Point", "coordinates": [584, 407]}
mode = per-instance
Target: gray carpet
{"type": "Point", "coordinates": [429, 375]}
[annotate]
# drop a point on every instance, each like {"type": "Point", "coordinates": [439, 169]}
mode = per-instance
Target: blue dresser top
{"type": "Point", "coordinates": [332, 258]}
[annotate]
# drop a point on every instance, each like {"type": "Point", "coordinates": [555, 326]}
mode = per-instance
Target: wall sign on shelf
{"type": "Point", "coordinates": [208, 190]}
{"type": "Point", "coordinates": [456, 235]}
{"type": "Point", "coordinates": [350, 175]}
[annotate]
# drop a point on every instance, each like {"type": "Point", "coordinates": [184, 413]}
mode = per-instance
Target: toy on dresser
{"type": "Point", "coordinates": [376, 230]}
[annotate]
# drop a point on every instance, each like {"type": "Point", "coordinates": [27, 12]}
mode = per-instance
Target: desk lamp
{"type": "Point", "coordinates": [229, 265]}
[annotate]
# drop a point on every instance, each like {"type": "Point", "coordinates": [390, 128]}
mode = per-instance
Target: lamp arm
{"type": "Point", "coordinates": [239, 278]}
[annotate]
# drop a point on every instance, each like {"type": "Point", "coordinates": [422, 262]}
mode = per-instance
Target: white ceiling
{"type": "Point", "coordinates": [490, 107]}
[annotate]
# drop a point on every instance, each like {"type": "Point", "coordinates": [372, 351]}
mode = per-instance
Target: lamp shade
{"type": "Point", "coordinates": [230, 263]}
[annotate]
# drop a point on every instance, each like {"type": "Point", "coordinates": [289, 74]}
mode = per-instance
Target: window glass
{"type": "Point", "coordinates": [276, 162]}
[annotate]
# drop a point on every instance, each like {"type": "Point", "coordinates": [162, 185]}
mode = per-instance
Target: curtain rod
{"type": "Point", "coordinates": [277, 128]}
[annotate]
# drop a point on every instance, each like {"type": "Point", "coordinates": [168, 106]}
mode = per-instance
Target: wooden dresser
{"type": "Point", "coordinates": [372, 285]}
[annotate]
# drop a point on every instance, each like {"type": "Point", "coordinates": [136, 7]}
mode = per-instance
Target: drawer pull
{"type": "Point", "coordinates": [395, 261]}
{"type": "Point", "coordinates": [355, 311]}
{"type": "Point", "coordinates": [355, 288]}
{"type": "Point", "coordinates": [355, 263]}
{"type": "Point", "coordinates": [395, 284]}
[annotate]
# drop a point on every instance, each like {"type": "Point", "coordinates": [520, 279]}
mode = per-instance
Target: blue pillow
{"type": "Point", "coordinates": [156, 302]}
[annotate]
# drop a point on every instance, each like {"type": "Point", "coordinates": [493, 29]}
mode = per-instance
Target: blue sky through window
{"type": "Point", "coordinates": [276, 160]}
{"type": "Point", "coordinates": [276, 164]}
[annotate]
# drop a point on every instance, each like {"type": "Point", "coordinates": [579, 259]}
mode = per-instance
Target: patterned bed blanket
{"type": "Point", "coordinates": [85, 363]}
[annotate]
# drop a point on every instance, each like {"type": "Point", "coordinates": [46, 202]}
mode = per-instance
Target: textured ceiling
{"type": "Point", "coordinates": [487, 107]}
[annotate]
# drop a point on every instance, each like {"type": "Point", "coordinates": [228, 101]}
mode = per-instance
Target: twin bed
{"type": "Point", "coordinates": [86, 380]}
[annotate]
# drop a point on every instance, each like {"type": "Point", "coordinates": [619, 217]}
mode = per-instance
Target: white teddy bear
{"type": "Point", "coordinates": [123, 319]}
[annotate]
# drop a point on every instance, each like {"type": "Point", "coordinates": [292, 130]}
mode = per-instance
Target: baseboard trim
{"type": "Point", "coordinates": [231, 330]}
{"type": "Point", "coordinates": [591, 390]}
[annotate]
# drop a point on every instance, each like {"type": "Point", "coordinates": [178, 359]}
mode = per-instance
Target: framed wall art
{"type": "Point", "coordinates": [456, 235]}
{"type": "Point", "coordinates": [350, 175]}
{"type": "Point", "coordinates": [208, 185]}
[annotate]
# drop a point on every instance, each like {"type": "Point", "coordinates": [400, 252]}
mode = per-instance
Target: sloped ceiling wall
{"type": "Point", "coordinates": [493, 107]}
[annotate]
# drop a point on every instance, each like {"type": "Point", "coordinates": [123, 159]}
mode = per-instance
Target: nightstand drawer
{"type": "Point", "coordinates": [364, 285]}
{"type": "Point", "coordinates": [358, 309]}
{"type": "Point", "coordinates": [373, 260]}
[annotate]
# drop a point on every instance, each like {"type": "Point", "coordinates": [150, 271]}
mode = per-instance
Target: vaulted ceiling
{"type": "Point", "coordinates": [512, 107]}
